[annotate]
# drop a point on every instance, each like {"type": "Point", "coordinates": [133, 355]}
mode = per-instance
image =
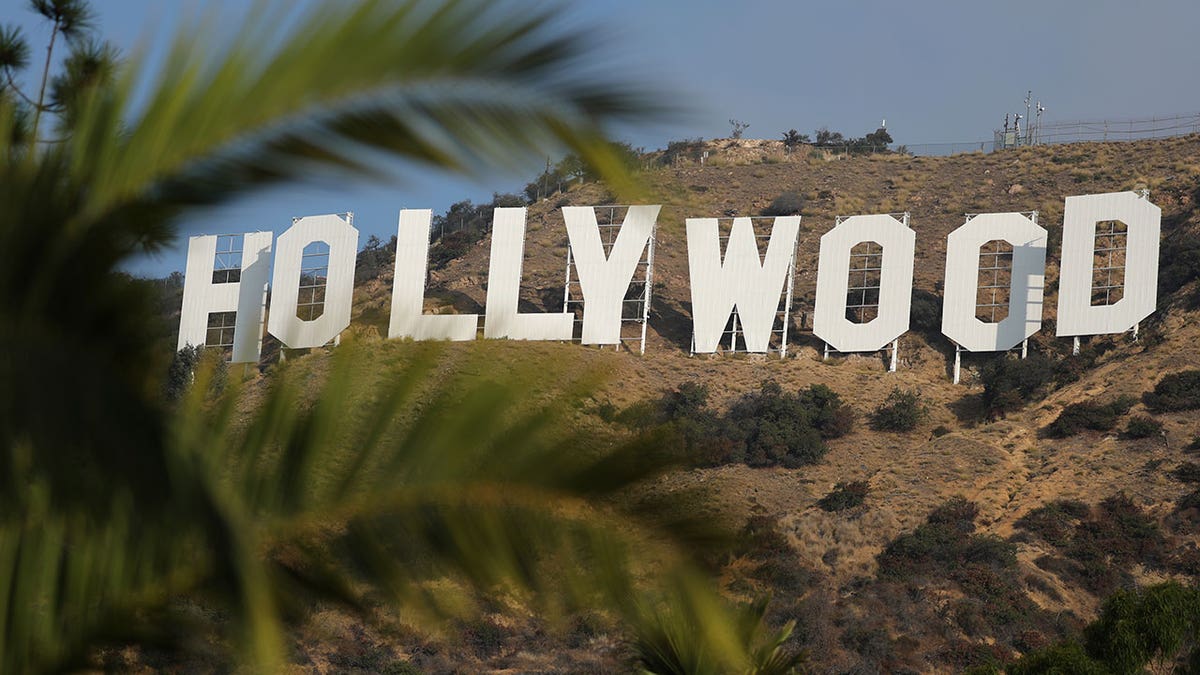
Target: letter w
{"type": "Point", "coordinates": [741, 281]}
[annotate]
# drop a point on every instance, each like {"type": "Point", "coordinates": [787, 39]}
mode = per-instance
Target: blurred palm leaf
{"type": "Point", "coordinates": [116, 512]}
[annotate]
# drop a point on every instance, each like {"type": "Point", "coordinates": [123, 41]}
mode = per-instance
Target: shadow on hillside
{"type": "Point", "coordinates": [672, 323]}
{"type": "Point", "coordinates": [969, 409]}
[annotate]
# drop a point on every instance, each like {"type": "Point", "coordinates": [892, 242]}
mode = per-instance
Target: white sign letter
{"type": "Point", "coordinates": [502, 319]}
{"type": "Point", "coordinates": [895, 283]}
{"type": "Point", "coordinates": [741, 280]}
{"type": "Point", "coordinates": [408, 287]}
{"type": "Point", "coordinates": [327, 280]}
{"type": "Point", "coordinates": [203, 295]}
{"type": "Point", "coordinates": [959, 320]}
{"type": "Point", "coordinates": [1076, 313]}
{"type": "Point", "coordinates": [604, 281]}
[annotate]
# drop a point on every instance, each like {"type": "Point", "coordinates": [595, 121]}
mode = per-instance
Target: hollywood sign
{"type": "Point", "coordinates": [741, 282]}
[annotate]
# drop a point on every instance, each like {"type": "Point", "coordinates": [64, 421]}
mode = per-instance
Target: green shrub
{"type": "Point", "coordinates": [1175, 392]}
{"type": "Point", "coordinates": [1188, 472]}
{"type": "Point", "coordinates": [179, 373]}
{"type": "Point", "coordinates": [1099, 545]}
{"type": "Point", "coordinates": [1055, 522]}
{"type": "Point", "coordinates": [1091, 416]}
{"type": "Point", "coordinates": [845, 496]}
{"type": "Point", "coordinates": [946, 545]}
{"type": "Point", "coordinates": [925, 313]}
{"type": "Point", "coordinates": [769, 427]}
{"type": "Point", "coordinates": [775, 429]}
{"type": "Point", "coordinates": [902, 411]}
{"type": "Point", "coordinates": [1143, 427]}
{"type": "Point", "coordinates": [688, 149]}
{"type": "Point", "coordinates": [1180, 262]}
{"type": "Point", "coordinates": [1009, 384]}
{"type": "Point", "coordinates": [786, 204]}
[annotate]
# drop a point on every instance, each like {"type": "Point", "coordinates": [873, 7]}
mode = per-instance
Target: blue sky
{"type": "Point", "coordinates": [938, 71]}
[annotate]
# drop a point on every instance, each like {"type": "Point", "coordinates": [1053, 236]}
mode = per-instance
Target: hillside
{"type": "Point", "coordinates": [855, 615]}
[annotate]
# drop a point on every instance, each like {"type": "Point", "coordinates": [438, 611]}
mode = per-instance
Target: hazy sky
{"type": "Point", "coordinates": [937, 71]}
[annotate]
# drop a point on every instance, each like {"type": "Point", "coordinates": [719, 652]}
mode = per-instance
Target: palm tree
{"type": "Point", "coordinates": [117, 511]}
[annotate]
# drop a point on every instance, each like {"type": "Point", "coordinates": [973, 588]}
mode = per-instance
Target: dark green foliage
{"type": "Point", "coordinates": [1189, 501]}
{"type": "Point", "coordinates": [1065, 658]}
{"type": "Point", "coordinates": [687, 149]}
{"type": "Point", "coordinates": [450, 247]}
{"type": "Point", "coordinates": [901, 411]}
{"type": "Point", "coordinates": [946, 549]}
{"type": "Point", "coordinates": [1078, 417]}
{"type": "Point", "coordinates": [1175, 392]}
{"type": "Point", "coordinates": [1099, 544]}
{"type": "Point", "coordinates": [845, 496]}
{"type": "Point", "coordinates": [926, 312]}
{"type": "Point", "coordinates": [876, 141]}
{"type": "Point", "coordinates": [215, 527]}
{"type": "Point", "coordinates": [769, 427]}
{"type": "Point", "coordinates": [1188, 472]}
{"type": "Point", "coordinates": [793, 138]}
{"type": "Point", "coordinates": [940, 430]}
{"type": "Point", "coordinates": [1055, 522]}
{"type": "Point", "coordinates": [786, 204]}
{"type": "Point", "coordinates": [374, 258]}
{"type": "Point", "coordinates": [1009, 384]}
{"type": "Point", "coordinates": [1157, 624]}
{"type": "Point", "coordinates": [1179, 262]}
{"type": "Point", "coordinates": [775, 428]}
{"type": "Point", "coordinates": [572, 169]}
{"type": "Point", "coordinates": [776, 563]}
{"type": "Point", "coordinates": [1141, 426]}
{"type": "Point", "coordinates": [946, 545]}
{"type": "Point", "coordinates": [463, 224]}
{"type": "Point", "coordinates": [179, 373]}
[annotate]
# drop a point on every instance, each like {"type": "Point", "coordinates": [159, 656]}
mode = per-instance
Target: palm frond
{"type": "Point", "coordinates": [457, 86]}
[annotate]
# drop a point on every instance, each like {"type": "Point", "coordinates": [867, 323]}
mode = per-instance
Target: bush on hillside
{"type": "Point", "coordinates": [1078, 417]}
{"type": "Point", "coordinates": [1009, 384]}
{"type": "Point", "coordinates": [925, 314]}
{"type": "Point", "coordinates": [945, 545]}
{"type": "Point", "coordinates": [786, 204]}
{"type": "Point", "coordinates": [769, 427]}
{"type": "Point", "coordinates": [374, 258]}
{"type": "Point", "coordinates": [1188, 472]}
{"type": "Point", "coordinates": [1099, 545]}
{"type": "Point", "coordinates": [179, 373]}
{"type": "Point", "coordinates": [1175, 392]}
{"type": "Point", "coordinates": [687, 149]}
{"type": "Point", "coordinates": [845, 496]}
{"type": "Point", "coordinates": [1143, 427]}
{"type": "Point", "coordinates": [774, 429]}
{"type": "Point", "coordinates": [1180, 262]}
{"type": "Point", "coordinates": [902, 411]}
